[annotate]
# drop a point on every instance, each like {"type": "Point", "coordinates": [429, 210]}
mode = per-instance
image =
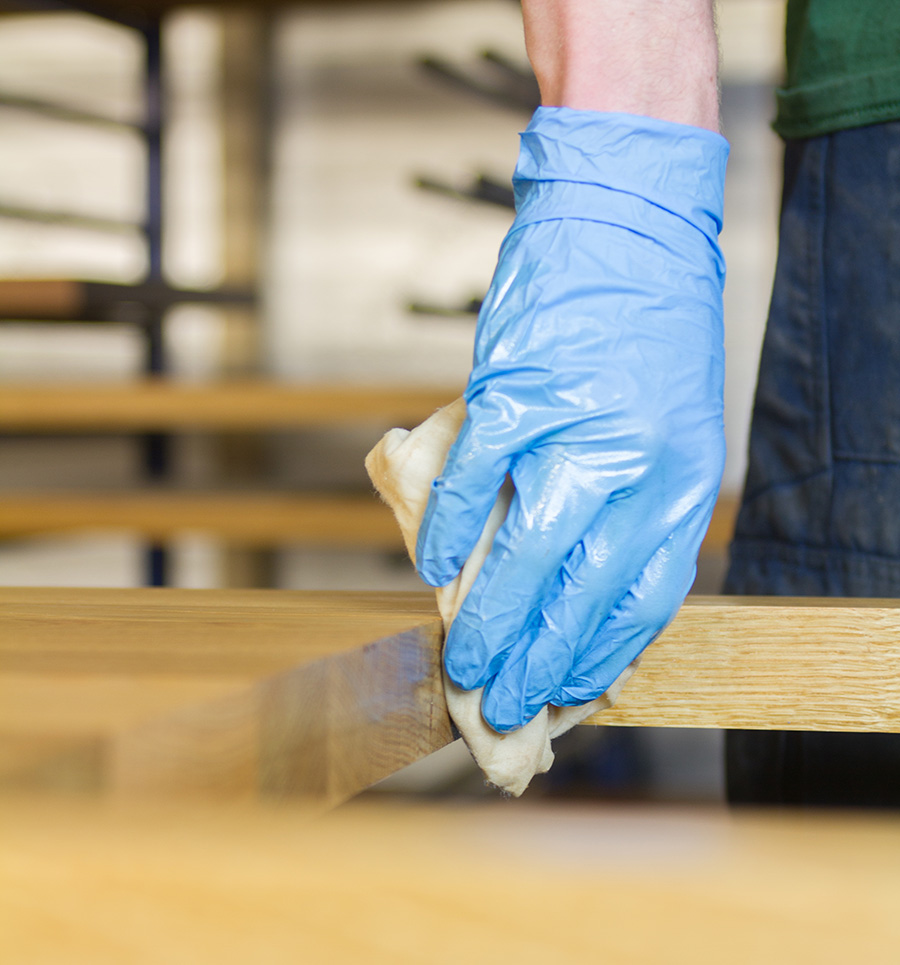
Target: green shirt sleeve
{"type": "Point", "coordinates": [843, 66]}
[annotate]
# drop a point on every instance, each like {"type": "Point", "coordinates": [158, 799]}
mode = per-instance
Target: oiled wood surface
{"type": "Point", "coordinates": [236, 693]}
{"type": "Point", "coordinates": [150, 403]}
{"type": "Point", "coordinates": [770, 663]}
{"type": "Point", "coordinates": [96, 885]}
{"type": "Point", "coordinates": [220, 693]}
{"type": "Point", "coordinates": [217, 632]}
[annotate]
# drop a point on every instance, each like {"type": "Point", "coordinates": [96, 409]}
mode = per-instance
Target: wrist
{"type": "Point", "coordinates": [655, 58]}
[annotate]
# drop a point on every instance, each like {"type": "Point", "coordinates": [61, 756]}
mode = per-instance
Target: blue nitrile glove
{"type": "Point", "coordinates": [597, 385]}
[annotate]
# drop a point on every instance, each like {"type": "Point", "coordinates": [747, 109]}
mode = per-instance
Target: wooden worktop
{"type": "Point", "coordinates": [91, 884]}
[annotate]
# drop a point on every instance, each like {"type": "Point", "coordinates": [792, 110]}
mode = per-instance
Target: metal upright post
{"type": "Point", "coordinates": [157, 457]}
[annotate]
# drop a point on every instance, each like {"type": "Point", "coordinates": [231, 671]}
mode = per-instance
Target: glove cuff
{"type": "Point", "coordinates": [676, 167]}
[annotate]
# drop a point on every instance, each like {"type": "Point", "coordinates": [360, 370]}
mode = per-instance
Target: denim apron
{"type": "Point", "coordinates": [820, 514]}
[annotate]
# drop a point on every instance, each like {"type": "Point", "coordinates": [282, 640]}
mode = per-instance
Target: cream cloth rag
{"type": "Point", "coordinates": [402, 467]}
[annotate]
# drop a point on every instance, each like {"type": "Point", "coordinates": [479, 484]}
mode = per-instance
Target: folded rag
{"type": "Point", "coordinates": [402, 467]}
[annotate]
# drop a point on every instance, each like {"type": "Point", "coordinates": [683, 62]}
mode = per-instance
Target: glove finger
{"type": "Point", "coordinates": [643, 613]}
{"type": "Point", "coordinates": [547, 517]}
{"type": "Point", "coordinates": [593, 580]}
{"type": "Point", "coordinates": [458, 506]}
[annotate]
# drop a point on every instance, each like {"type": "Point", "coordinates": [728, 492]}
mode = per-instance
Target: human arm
{"type": "Point", "coordinates": [655, 58]}
{"type": "Point", "coordinates": [597, 377]}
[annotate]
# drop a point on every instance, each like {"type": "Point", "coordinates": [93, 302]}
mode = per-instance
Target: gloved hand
{"type": "Point", "coordinates": [597, 385]}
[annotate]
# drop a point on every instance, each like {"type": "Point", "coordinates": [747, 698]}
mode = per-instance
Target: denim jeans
{"type": "Point", "coordinates": [820, 514]}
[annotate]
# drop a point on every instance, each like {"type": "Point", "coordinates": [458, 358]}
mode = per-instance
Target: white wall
{"type": "Point", "coordinates": [352, 240]}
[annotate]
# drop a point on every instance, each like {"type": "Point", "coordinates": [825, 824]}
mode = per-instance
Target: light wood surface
{"type": "Point", "coordinates": [155, 404]}
{"type": "Point", "coordinates": [245, 518]}
{"type": "Point", "coordinates": [236, 693]}
{"type": "Point", "coordinates": [222, 694]}
{"type": "Point", "coordinates": [770, 663]}
{"type": "Point", "coordinates": [89, 885]}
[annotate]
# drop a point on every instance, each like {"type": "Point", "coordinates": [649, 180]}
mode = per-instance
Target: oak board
{"type": "Point", "coordinates": [240, 693]}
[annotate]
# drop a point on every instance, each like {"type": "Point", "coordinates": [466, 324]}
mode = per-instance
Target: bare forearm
{"type": "Point", "coordinates": [657, 58]}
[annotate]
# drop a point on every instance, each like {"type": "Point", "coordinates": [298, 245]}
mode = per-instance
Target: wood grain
{"type": "Point", "coordinates": [770, 663]}
{"type": "Point", "coordinates": [96, 885]}
{"type": "Point", "coordinates": [236, 693]}
{"type": "Point", "coordinates": [155, 404]}
{"type": "Point", "coordinates": [223, 694]}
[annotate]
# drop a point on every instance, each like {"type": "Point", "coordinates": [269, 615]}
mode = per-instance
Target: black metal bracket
{"type": "Point", "coordinates": [468, 309]}
{"type": "Point", "coordinates": [483, 188]}
{"type": "Point", "coordinates": [505, 84]}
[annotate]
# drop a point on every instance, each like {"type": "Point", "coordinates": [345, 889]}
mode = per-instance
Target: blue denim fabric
{"type": "Point", "coordinates": [821, 507]}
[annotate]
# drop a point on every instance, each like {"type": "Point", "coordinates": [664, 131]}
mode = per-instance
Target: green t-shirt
{"type": "Point", "coordinates": [843, 66]}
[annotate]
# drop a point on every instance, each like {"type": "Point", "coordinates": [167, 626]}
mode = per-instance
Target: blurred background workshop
{"type": "Point", "coordinates": [237, 244]}
{"type": "Point", "coordinates": [214, 222]}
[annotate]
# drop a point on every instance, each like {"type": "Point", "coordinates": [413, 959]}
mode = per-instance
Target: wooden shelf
{"type": "Point", "coordinates": [66, 299]}
{"type": "Point", "coordinates": [159, 405]}
{"type": "Point", "coordinates": [248, 519]}
{"type": "Point", "coordinates": [721, 526]}
{"type": "Point", "coordinates": [245, 518]}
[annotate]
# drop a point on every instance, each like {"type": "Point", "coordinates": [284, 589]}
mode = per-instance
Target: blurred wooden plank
{"type": "Point", "coordinates": [223, 694]}
{"type": "Point", "coordinates": [69, 300]}
{"type": "Point", "coordinates": [158, 405]}
{"type": "Point", "coordinates": [721, 526]}
{"type": "Point", "coordinates": [771, 664]}
{"type": "Point", "coordinates": [132, 10]}
{"type": "Point", "coordinates": [243, 518]}
{"type": "Point", "coordinates": [91, 885]}
{"type": "Point", "coordinates": [262, 519]}
{"type": "Point", "coordinates": [40, 298]}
